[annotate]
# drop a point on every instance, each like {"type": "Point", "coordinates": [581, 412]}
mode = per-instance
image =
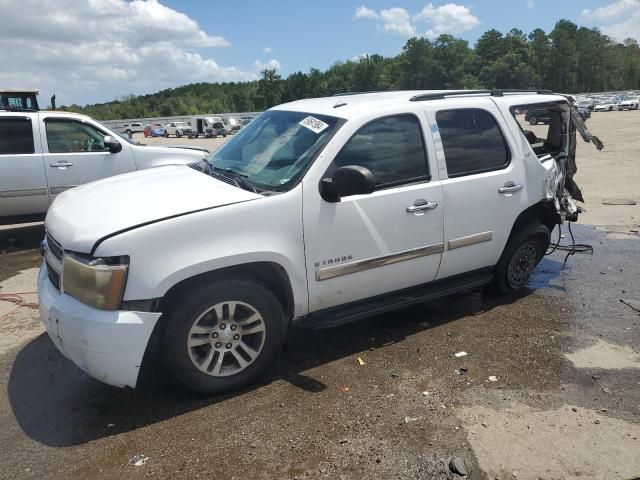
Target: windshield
{"type": "Point", "coordinates": [274, 150]}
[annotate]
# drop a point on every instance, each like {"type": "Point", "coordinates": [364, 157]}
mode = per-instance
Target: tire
{"type": "Point", "coordinates": [128, 132]}
{"type": "Point", "coordinates": [178, 134]}
{"type": "Point", "coordinates": [533, 121]}
{"type": "Point", "coordinates": [521, 255]}
{"type": "Point", "coordinates": [210, 366]}
{"type": "Point", "coordinates": [166, 134]}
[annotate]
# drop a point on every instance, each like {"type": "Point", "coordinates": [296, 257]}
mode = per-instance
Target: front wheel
{"type": "Point", "coordinates": [533, 121]}
{"type": "Point", "coordinates": [523, 252]}
{"type": "Point", "coordinates": [223, 336]}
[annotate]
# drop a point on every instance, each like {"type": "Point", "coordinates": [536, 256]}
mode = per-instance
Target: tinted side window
{"type": "Point", "coordinates": [16, 136]}
{"type": "Point", "coordinates": [392, 148]}
{"type": "Point", "coordinates": [69, 136]}
{"type": "Point", "coordinates": [472, 142]}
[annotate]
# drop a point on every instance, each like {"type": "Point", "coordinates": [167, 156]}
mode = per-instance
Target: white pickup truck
{"type": "Point", "coordinates": [319, 211]}
{"type": "Point", "coordinates": [43, 153]}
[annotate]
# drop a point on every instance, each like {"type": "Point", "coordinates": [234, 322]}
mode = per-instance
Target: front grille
{"type": "Point", "coordinates": [54, 247]}
{"type": "Point", "coordinates": [54, 276]}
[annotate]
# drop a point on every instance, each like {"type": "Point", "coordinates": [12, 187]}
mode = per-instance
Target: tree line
{"type": "Point", "coordinates": [568, 59]}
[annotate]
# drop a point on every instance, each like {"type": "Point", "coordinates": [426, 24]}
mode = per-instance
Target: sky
{"type": "Point", "coordinates": [89, 51]}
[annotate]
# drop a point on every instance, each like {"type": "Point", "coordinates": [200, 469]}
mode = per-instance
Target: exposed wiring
{"type": "Point", "coordinates": [570, 249]}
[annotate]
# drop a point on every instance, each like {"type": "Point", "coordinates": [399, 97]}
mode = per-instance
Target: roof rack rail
{"type": "Point", "coordinates": [344, 94]}
{"type": "Point", "coordinates": [492, 93]}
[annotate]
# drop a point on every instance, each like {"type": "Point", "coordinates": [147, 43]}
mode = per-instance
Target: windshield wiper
{"type": "Point", "coordinates": [240, 179]}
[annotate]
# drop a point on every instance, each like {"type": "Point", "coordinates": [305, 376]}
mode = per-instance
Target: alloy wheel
{"type": "Point", "coordinates": [226, 339]}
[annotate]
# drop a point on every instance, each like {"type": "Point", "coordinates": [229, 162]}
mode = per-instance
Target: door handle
{"type": "Point", "coordinates": [510, 187]}
{"type": "Point", "coordinates": [61, 164]}
{"type": "Point", "coordinates": [420, 205]}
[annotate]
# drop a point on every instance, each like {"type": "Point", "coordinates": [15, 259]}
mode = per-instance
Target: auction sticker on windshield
{"type": "Point", "coordinates": [314, 124]}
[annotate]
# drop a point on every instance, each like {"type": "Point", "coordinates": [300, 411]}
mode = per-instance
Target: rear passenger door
{"type": "Point", "coordinates": [483, 183]}
{"type": "Point", "coordinates": [23, 183]}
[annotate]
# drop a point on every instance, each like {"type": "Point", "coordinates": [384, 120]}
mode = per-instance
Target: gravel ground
{"type": "Point", "coordinates": [549, 387]}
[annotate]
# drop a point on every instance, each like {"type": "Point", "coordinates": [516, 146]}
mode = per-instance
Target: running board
{"type": "Point", "coordinates": [350, 312]}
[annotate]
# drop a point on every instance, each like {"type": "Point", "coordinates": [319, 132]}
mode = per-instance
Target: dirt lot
{"type": "Point", "coordinates": [549, 388]}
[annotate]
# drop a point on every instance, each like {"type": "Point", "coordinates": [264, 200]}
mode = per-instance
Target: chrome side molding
{"type": "Point", "coordinates": [469, 240]}
{"type": "Point", "coordinates": [27, 192]}
{"type": "Point", "coordinates": [325, 273]}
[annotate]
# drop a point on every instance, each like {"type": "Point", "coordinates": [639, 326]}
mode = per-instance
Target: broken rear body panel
{"type": "Point", "coordinates": [557, 153]}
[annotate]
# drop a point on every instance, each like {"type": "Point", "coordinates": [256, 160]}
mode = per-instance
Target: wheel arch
{"type": "Point", "coordinates": [271, 275]}
{"type": "Point", "coordinates": [544, 212]}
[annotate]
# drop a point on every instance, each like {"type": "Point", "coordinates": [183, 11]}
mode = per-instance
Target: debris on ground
{"type": "Point", "coordinates": [410, 419]}
{"type": "Point", "coordinates": [631, 305]}
{"type": "Point", "coordinates": [344, 389]}
{"type": "Point", "coordinates": [360, 361]}
{"type": "Point", "coordinates": [138, 460]}
{"type": "Point", "coordinates": [606, 390]}
{"type": "Point", "coordinates": [493, 378]}
{"type": "Point", "coordinates": [618, 201]}
{"type": "Point", "coordinates": [461, 371]}
{"type": "Point", "coordinates": [461, 354]}
{"type": "Point", "coordinates": [459, 466]}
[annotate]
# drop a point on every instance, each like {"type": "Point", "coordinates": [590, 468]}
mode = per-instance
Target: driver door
{"type": "Point", "coordinates": [74, 154]}
{"type": "Point", "coordinates": [386, 241]}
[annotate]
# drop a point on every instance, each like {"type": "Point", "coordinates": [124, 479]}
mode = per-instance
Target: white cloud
{"type": "Point", "coordinates": [531, 4]}
{"type": "Point", "coordinates": [364, 12]}
{"type": "Point", "coordinates": [619, 19]}
{"type": "Point", "coordinates": [272, 64]}
{"type": "Point", "coordinates": [357, 58]}
{"type": "Point", "coordinates": [397, 20]}
{"type": "Point", "coordinates": [449, 18]}
{"type": "Point", "coordinates": [96, 50]}
{"type": "Point", "coordinates": [267, 50]}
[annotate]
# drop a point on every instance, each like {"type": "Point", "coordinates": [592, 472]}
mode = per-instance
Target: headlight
{"type": "Point", "coordinates": [98, 283]}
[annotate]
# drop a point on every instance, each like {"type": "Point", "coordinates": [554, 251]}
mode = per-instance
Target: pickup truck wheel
{"type": "Point", "coordinates": [520, 256]}
{"type": "Point", "coordinates": [533, 121]}
{"type": "Point", "coordinates": [223, 336]}
{"type": "Point", "coordinates": [166, 134]}
{"type": "Point", "coordinates": [178, 134]}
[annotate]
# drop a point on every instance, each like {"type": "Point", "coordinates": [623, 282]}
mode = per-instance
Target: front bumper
{"type": "Point", "coordinates": [108, 345]}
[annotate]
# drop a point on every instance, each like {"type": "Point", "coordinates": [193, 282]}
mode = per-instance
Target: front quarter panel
{"type": "Point", "coordinates": [164, 253]}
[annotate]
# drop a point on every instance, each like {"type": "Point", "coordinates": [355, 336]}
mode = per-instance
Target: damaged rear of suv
{"type": "Point", "coordinates": [318, 212]}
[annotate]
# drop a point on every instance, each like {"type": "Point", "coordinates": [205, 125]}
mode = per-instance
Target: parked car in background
{"type": "Point", "coordinates": [232, 124]}
{"type": "Point", "coordinates": [179, 129]}
{"type": "Point", "coordinates": [538, 115]}
{"type": "Point", "coordinates": [154, 130]}
{"type": "Point", "coordinates": [629, 103]}
{"type": "Point", "coordinates": [586, 103]}
{"type": "Point", "coordinates": [216, 130]}
{"type": "Point", "coordinates": [584, 112]}
{"type": "Point", "coordinates": [312, 215]}
{"type": "Point", "coordinates": [607, 106]}
{"type": "Point", "coordinates": [131, 128]}
{"type": "Point", "coordinates": [44, 153]}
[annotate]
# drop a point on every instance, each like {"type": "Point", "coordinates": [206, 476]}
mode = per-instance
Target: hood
{"type": "Point", "coordinates": [79, 217]}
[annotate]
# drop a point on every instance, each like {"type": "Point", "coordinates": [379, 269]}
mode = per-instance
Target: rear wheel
{"type": "Point", "coordinates": [223, 336]}
{"type": "Point", "coordinates": [523, 252]}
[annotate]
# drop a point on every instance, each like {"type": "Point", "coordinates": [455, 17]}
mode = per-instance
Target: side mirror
{"type": "Point", "coordinates": [112, 144]}
{"type": "Point", "coordinates": [349, 180]}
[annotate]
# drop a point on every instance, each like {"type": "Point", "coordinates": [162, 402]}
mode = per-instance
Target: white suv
{"type": "Point", "coordinates": [179, 129]}
{"type": "Point", "coordinates": [45, 153]}
{"type": "Point", "coordinates": [131, 128]}
{"type": "Point", "coordinates": [319, 211]}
